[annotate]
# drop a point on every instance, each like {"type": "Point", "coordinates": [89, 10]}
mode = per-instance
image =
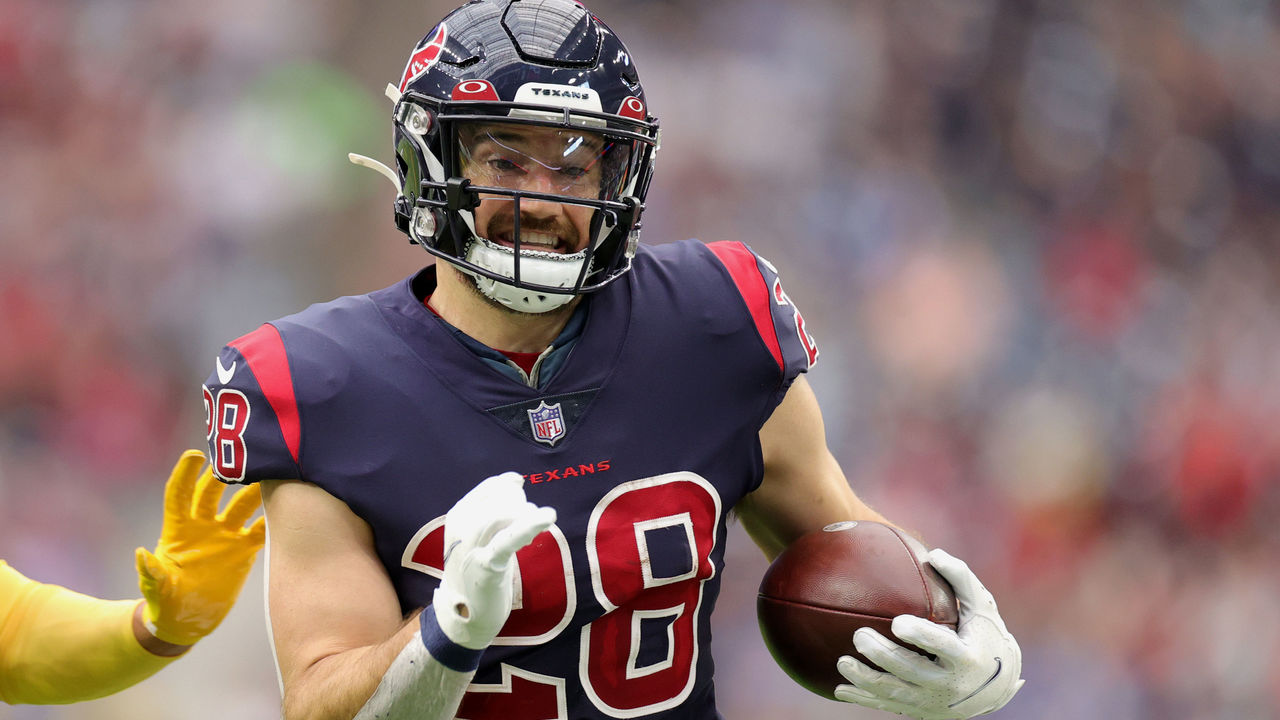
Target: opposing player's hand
{"type": "Point", "coordinates": [481, 534]}
{"type": "Point", "coordinates": [199, 565]}
{"type": "Point", "coordinates": [977, 669]}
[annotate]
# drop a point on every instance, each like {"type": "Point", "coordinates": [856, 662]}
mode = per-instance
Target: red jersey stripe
{"type": "Point", "coordinates": [263, 349]}
{"type": "Point", "coordinates": [742, 267]}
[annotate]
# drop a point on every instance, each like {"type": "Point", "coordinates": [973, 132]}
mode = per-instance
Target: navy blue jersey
{"type": "Point", "coordinates": [643, 441]}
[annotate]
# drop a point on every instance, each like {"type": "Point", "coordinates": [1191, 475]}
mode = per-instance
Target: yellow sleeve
{"type": "Point", "coordinates": [59, 646]}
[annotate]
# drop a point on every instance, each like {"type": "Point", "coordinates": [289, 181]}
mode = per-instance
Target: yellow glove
{"type": "Point", "coordinates": [203, 557]}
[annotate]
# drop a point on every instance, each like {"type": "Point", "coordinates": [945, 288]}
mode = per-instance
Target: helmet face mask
{"type": "Point", "coordinates": [511, 166]}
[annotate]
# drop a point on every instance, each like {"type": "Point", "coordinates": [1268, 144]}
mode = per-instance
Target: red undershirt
{"type": "Point", "coordinates": [524, 360]}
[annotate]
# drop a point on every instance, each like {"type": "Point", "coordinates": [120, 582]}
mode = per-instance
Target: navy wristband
{"type": "Point", "coordinates": [446, 652]}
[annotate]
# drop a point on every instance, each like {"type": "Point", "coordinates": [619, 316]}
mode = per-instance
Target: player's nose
{"type": "Point", "coordinates": [544, 180]}
{"type": "Point", "coordinates": [540, 183]}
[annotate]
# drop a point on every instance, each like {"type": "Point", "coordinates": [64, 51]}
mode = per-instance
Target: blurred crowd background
{"type": "Point", "coordinates": [1036, 242]}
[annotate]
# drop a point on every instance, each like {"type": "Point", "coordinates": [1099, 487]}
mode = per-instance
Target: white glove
{"type": "Point", "coordinates": [977, 668]}
{"type": "Point", "coordinates": [481, 534]}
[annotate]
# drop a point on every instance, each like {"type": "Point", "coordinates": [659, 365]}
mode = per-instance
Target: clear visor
{"type": "Point", "coordinates": [556, 161]}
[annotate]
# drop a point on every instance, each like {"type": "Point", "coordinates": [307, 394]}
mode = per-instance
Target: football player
{"type": "Point", "coordinates": [499, 488]}
{"type": "Point", "coordinates": [59, 646]}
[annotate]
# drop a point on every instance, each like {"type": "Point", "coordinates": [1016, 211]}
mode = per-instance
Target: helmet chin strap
{"type": "Point", "coordinates": [541, 268]}
{"type": "Point", "coordinates": [537, 267]}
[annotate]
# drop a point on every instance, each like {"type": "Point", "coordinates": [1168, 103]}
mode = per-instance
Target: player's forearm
{"type": "Point", "coordinates": [395, 679]}
{"type": "Point", "coordinates": [59, 646]}
{"type": "Point", "coordinates": [334, 687]}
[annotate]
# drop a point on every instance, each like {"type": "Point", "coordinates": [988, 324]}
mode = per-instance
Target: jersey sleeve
{"type": "Point", "coordinates": [777, 319]}
{"type": "Point", "coordinates": [251, 411]}
{"type": "Point", "coordinates": [59, 646]}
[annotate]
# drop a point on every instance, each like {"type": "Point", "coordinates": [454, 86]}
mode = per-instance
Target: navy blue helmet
{"type": "Point", "coordinates": [524, 101]}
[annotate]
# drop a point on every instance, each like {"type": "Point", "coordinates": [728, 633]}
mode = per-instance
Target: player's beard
{"type": "Point", "coordinates": [502, 224]}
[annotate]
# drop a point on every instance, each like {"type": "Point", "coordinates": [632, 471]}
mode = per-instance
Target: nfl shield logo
{"type": "Point", "coordinates": [547, 423]}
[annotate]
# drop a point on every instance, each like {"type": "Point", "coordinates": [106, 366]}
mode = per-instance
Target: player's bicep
{"type": "Point", "coordinates": [327, 590]}
{"type": "Point", "coordinates": [803, 487]}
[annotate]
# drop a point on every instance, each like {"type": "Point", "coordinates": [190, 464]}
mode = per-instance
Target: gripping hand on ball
{"type": "Point", "coordinates": [977, 667]}
{"type": "Point", "coordinates": [481, 534]}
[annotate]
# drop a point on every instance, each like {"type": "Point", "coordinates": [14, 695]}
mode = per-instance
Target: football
{"type": "Point", "coordinates": [833, 581]}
